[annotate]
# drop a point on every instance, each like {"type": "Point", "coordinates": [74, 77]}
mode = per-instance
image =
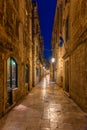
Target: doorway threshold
{"type": "Point", "coordinates": [9, 108]}
{"type": "Point", "coordinates": [67, 94]}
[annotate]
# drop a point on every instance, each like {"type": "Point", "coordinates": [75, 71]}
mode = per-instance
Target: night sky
{"type": "Point", "coordinates": [46, 10]}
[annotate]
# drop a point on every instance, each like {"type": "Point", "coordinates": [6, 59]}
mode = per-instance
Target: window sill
{"type": "Point", "coordinates": [14, 88]}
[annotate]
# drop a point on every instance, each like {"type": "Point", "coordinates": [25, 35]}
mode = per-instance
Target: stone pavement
{"type": "Point", "coordinates": [46, 107]}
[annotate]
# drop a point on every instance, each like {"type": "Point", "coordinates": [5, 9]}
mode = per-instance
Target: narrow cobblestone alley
{"type": "Point", "coordinates": [46, 107]}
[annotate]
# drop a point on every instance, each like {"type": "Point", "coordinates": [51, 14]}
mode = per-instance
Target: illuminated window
{"type": "Point", "coordinates": [11, 73]}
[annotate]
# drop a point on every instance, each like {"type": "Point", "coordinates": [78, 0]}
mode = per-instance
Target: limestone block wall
{"type": "Point", "coordinates": [78, 88]}
{"type": "Point", "coordinates": [35, 65]}
{"type": "Point", "coordinates": [57, 50]}
{"type": "Point", "coordinates": [12, 44]}
{"type": "Point", "coordinates": [30, 64]}
{"type": "Point", "coordinates": [78, 82]}
{"type": "Point", "coordinates": [60, 66]}
{"type": "Point", "coordinates": [72, 18]}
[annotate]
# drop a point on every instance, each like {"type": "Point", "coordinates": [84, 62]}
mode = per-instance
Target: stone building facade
{"type": "Point", "coordinates": [57, 51]}
{"type": "Point", "coordinates": [74, 49]}
{"type": "Point", "coordinates": [37, 46]}
{"type": "Point", "coordinates": [16, 51]}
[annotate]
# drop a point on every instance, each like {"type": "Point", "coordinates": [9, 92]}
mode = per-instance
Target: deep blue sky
{"type": "Point", "coordinates": [46, 10]}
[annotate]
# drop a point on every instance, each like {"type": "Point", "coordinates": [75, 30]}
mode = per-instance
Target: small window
{"type": "Point", "coordinates": [12, 73]}
{"type": "Point", "coordinates": [26, 74]}
{"type": "Point", "coordinates": [17, 28]}
{"type": "Point", "coordinates": [36, 28]}
{"type": "Point", "coordinates": [67, 29]}
{"type": "Point", "coordinates": [1, 11]}
{"type": "Point", "coordinates": [66, 1]}
{"type": "Point", "coordinates": [37, 72]}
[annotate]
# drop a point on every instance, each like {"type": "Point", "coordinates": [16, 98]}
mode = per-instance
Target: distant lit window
{"type": "Point", "coordinates": [26, 74]}
{"type": "Point", "coordinates": [11, 73]}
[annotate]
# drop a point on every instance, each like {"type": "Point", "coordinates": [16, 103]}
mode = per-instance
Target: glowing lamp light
{"type": "Point", "coordinates": [53, 60]}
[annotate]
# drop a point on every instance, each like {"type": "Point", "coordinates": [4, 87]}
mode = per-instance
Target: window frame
{"type": "Point", "coordinates": [67, 29]}
{"type": "Point", "coordinates": [26, 74]}
{"type": "Point", "coordinates": [11, 71]}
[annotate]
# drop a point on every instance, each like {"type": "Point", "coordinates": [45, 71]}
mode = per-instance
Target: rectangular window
{"type": "Point", "coordinates": [1, 11]}
{"type": "Point", "coordinates": [14, 74]}
{"type": "Point", "coordinates": [37, 71]}
{"type": "Point", "coordinates": [66, 1]}
{"type": "Point", "coordinates": [11, 73]}
{"type": "Point", "coordinates": [17, 28]}
{"type": "Point", "coordinates": [36, 28]}
{"type": "Point", "coordinates": [26, 74]}
{"type": "Point", "coordinates": [8, 73]}
{"type": "Point", "coordinates": [67, 29]}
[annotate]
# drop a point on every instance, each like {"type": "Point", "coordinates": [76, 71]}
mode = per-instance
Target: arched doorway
{"type": "Point", "coordinates": [11, 77]}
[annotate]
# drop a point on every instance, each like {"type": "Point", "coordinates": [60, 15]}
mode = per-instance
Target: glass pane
{"type": "Point", "coordinates": [8, 73]}
{"type": "Point", "coordinates": [13, 64]}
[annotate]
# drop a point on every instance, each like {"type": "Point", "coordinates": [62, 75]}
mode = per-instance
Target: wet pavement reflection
{"type": "Point", "coordinates": [46, 107]}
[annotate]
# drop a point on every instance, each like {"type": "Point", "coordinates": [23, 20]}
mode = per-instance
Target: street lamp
{"type": "Point", "coordinates": [43, 67]}
{"type": "Point", "coordinates": [53, 60]}
{"type": "Point", "coordinates": [52, 68]}
{"type": "Point", "coordinates": [44, 70]}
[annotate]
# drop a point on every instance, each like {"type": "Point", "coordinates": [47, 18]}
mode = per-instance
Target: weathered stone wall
{"type": "Point", "coordinates": [37, 45]}
{"type": "Point", "coordinates": [60, 67]}
{"type": "Point", "coordinates": [74, 50]}
{"type": "Point", "coordinates": [57, 50]}
{"type": "Point", "coordinates": [14, 44]}
{"type": "Point", "coordinates": [78, 76]}
{"type": "Point", "coordinates": [78, 52]}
